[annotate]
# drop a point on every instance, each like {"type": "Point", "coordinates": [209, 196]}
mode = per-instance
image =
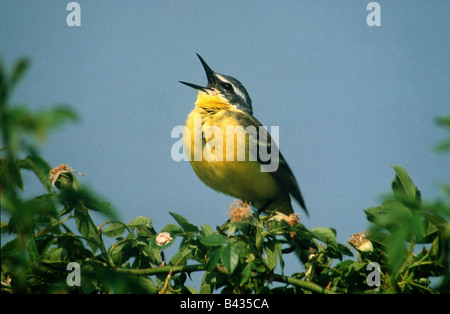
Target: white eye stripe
{"type": "Point", "coordinates": [220, 77]}
{"type": "Point", "coordinates": [236, 90]}
{"type": "Point", "coordinates": [240, 94]}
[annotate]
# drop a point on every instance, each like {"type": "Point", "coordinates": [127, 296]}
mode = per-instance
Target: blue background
{"type": "Point", "coordinates": [350, 100]}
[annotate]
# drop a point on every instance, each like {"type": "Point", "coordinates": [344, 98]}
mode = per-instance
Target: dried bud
{"type": "Point", "coordinates": [239, 211]}
{"type": "Point", "coordinates": [292, 219]}
{"type": "Point", "coordinates": [57, 173]}
{"type": "Point", "coordinates": [360, 242]}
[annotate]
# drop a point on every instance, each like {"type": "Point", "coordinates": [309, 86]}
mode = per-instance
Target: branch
{"type": "Point", "coordinates": [190, 268]}
{"type": "Point", "coordinates": [302, 284]}
{"type": "Point", "coordinates": [161, 270]}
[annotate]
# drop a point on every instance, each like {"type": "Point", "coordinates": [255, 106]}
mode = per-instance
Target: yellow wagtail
{"type": "Point", "coordinates": [238, 167]}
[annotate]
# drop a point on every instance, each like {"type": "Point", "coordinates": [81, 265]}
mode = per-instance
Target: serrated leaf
{"type": "Point", "coordinates": [143, 226]}
{"type": "Point", "coordinates": [327, 235]}
{"type": "Point", "coordinates": [181, 257]}
{"type": "Point", "coordinates": [229, 258]}
{"type": "Point", "coordinates": [207, 283]}
{"type": "Point", "coordinates": [392, 214]}
{"type": "Point", "coordinates": [40, 167]}
{"type": "Point", "coordinates": [172, 229]}
{"type": "Point", "coordinates": [214, 240]}
{"type": "Point", "coordinates": [271, 254]}
{"type": "Point", "coordinates": [119, 252]}
{"type": "Point", "coordinates": [245, 275]}
{"type": "Point", "coordinates": [32, 248]}
{"type": "Point", "coordinates": [184, 224]}
{"type": "Point", "coordinates": [403, 185]}
{"type": "Point", "coordinates": [87, 229]}
{"type": "Point", "coordinates": [140, 221]}
{"type": "Point", "coordinates": [146, 284]}
{"type": "Point", "coordinates": [279, 249]}
{"type": "Point", "coordinates": [114, 229]}
{"type": "Point", "coordinates": [372, 213]}
{"type": "Point", "coordinates": [207, 230]}
{"type": "Point", "coordinates": [214, 256]}
{"type": "Point", "coordinates": [54, 255]}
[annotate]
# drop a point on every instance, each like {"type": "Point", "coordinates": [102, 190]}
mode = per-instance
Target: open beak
{"type": "Point", "coordinates": [209, 75]}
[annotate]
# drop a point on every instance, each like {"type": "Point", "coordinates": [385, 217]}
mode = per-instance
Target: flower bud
{"type": "Point", "coordinates": [163, 238]}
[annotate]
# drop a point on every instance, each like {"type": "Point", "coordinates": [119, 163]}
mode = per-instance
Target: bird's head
{"type": "Point", "coordinates": [227, 87]}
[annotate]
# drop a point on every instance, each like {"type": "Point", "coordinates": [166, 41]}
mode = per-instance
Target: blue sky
{"type": "Point", "coordinates": [350, 100]}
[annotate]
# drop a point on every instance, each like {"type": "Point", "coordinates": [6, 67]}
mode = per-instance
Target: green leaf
{"type": "Point", "coordinates": [38, 124]}
{"type": "Point", "coordinates": [229, 258]}
{"type": "Point", "coordinates": [123, 251]}
{"type": "Point", "coordinates": [56, 115]}
{"type": "Point", "coordinates": [260, 236]}
{"type": "Point", "coordinates": [143, 226]}
{"type": "Point", "coordinates": [172, 229]}
{"type": "Point", "coordinates": [54, 255]}
{"type": "Point", "coordinates": [279, 248]}
{"type": "Point", "coordinates": [18, 72]}
{"type": "Point", "coordinates": [13, 248]}
{"type": "Point", "coordinates": [443, 122]}
{"type": "Point", "coordinates": [391, 214]}
{"type": "Point", "coordinates": [87, 229]}
{"type": "Point", "coordinates": [214, 256]}
{"type": "Point", "coordinates": [184, 224]}
{"type": "Point", "coordinates": [207, 283]}
{"type": "Point", "coordinates": [32, 248]}
{"type": "Point", "coordinates": [42, 205]}
{"type": "Point", "coordinates": [146, 285]}
{"type": "Point", "coordinates": [442, 146]}
{"type": "Point", "coordinates": [245, 275]}
{"type": "Point", "coordinates": [372, 213]}
{"type": "Point", "coordinates": [114, 229]}
{"type": "Point", "coordinates": [40, 167]}
{"type": "Point", "coordinates": [207, 230]}
{"type": "Point", "coordinates": [84, 198]}
{"type": "Point", "coordinates": [271, 254]}
{"type": "Point", "coordinates": [326, 235]}
{"type": "Point", "coordinates": [140, 221]}
{"type": "Point", "coordinates": [4, 226]}
{"type": "Point", "coordinates": [403, 186]}
{"type": "Point", "coordinates": [180, 258]}
{"type": "Point", "coordinates": [214, 240]}
{"type": "Point", "coordinates": [396, 249]}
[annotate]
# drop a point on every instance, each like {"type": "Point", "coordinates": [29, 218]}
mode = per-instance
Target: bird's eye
{"type": "Point", "coordinates": [228, 86]}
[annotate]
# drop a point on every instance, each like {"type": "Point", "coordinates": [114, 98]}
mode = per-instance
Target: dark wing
{"type": "Point", "coordinates": [283, 175]}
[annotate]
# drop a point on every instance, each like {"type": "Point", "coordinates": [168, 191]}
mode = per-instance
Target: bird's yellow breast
{"type": "Point", "coordinates": [218, 168]}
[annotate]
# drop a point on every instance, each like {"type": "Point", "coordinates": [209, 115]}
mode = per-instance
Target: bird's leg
{"type": "Point", "coordinates": [220, 229]}
{"type": "Point", "coordinates": [265, 206]}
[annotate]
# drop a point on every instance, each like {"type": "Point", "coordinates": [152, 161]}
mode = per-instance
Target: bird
{"type": "Point", "coordinates": [233, 167]}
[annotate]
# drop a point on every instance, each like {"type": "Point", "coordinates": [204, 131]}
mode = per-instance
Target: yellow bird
{"type": "Point", "coordinates": [248, 165]}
